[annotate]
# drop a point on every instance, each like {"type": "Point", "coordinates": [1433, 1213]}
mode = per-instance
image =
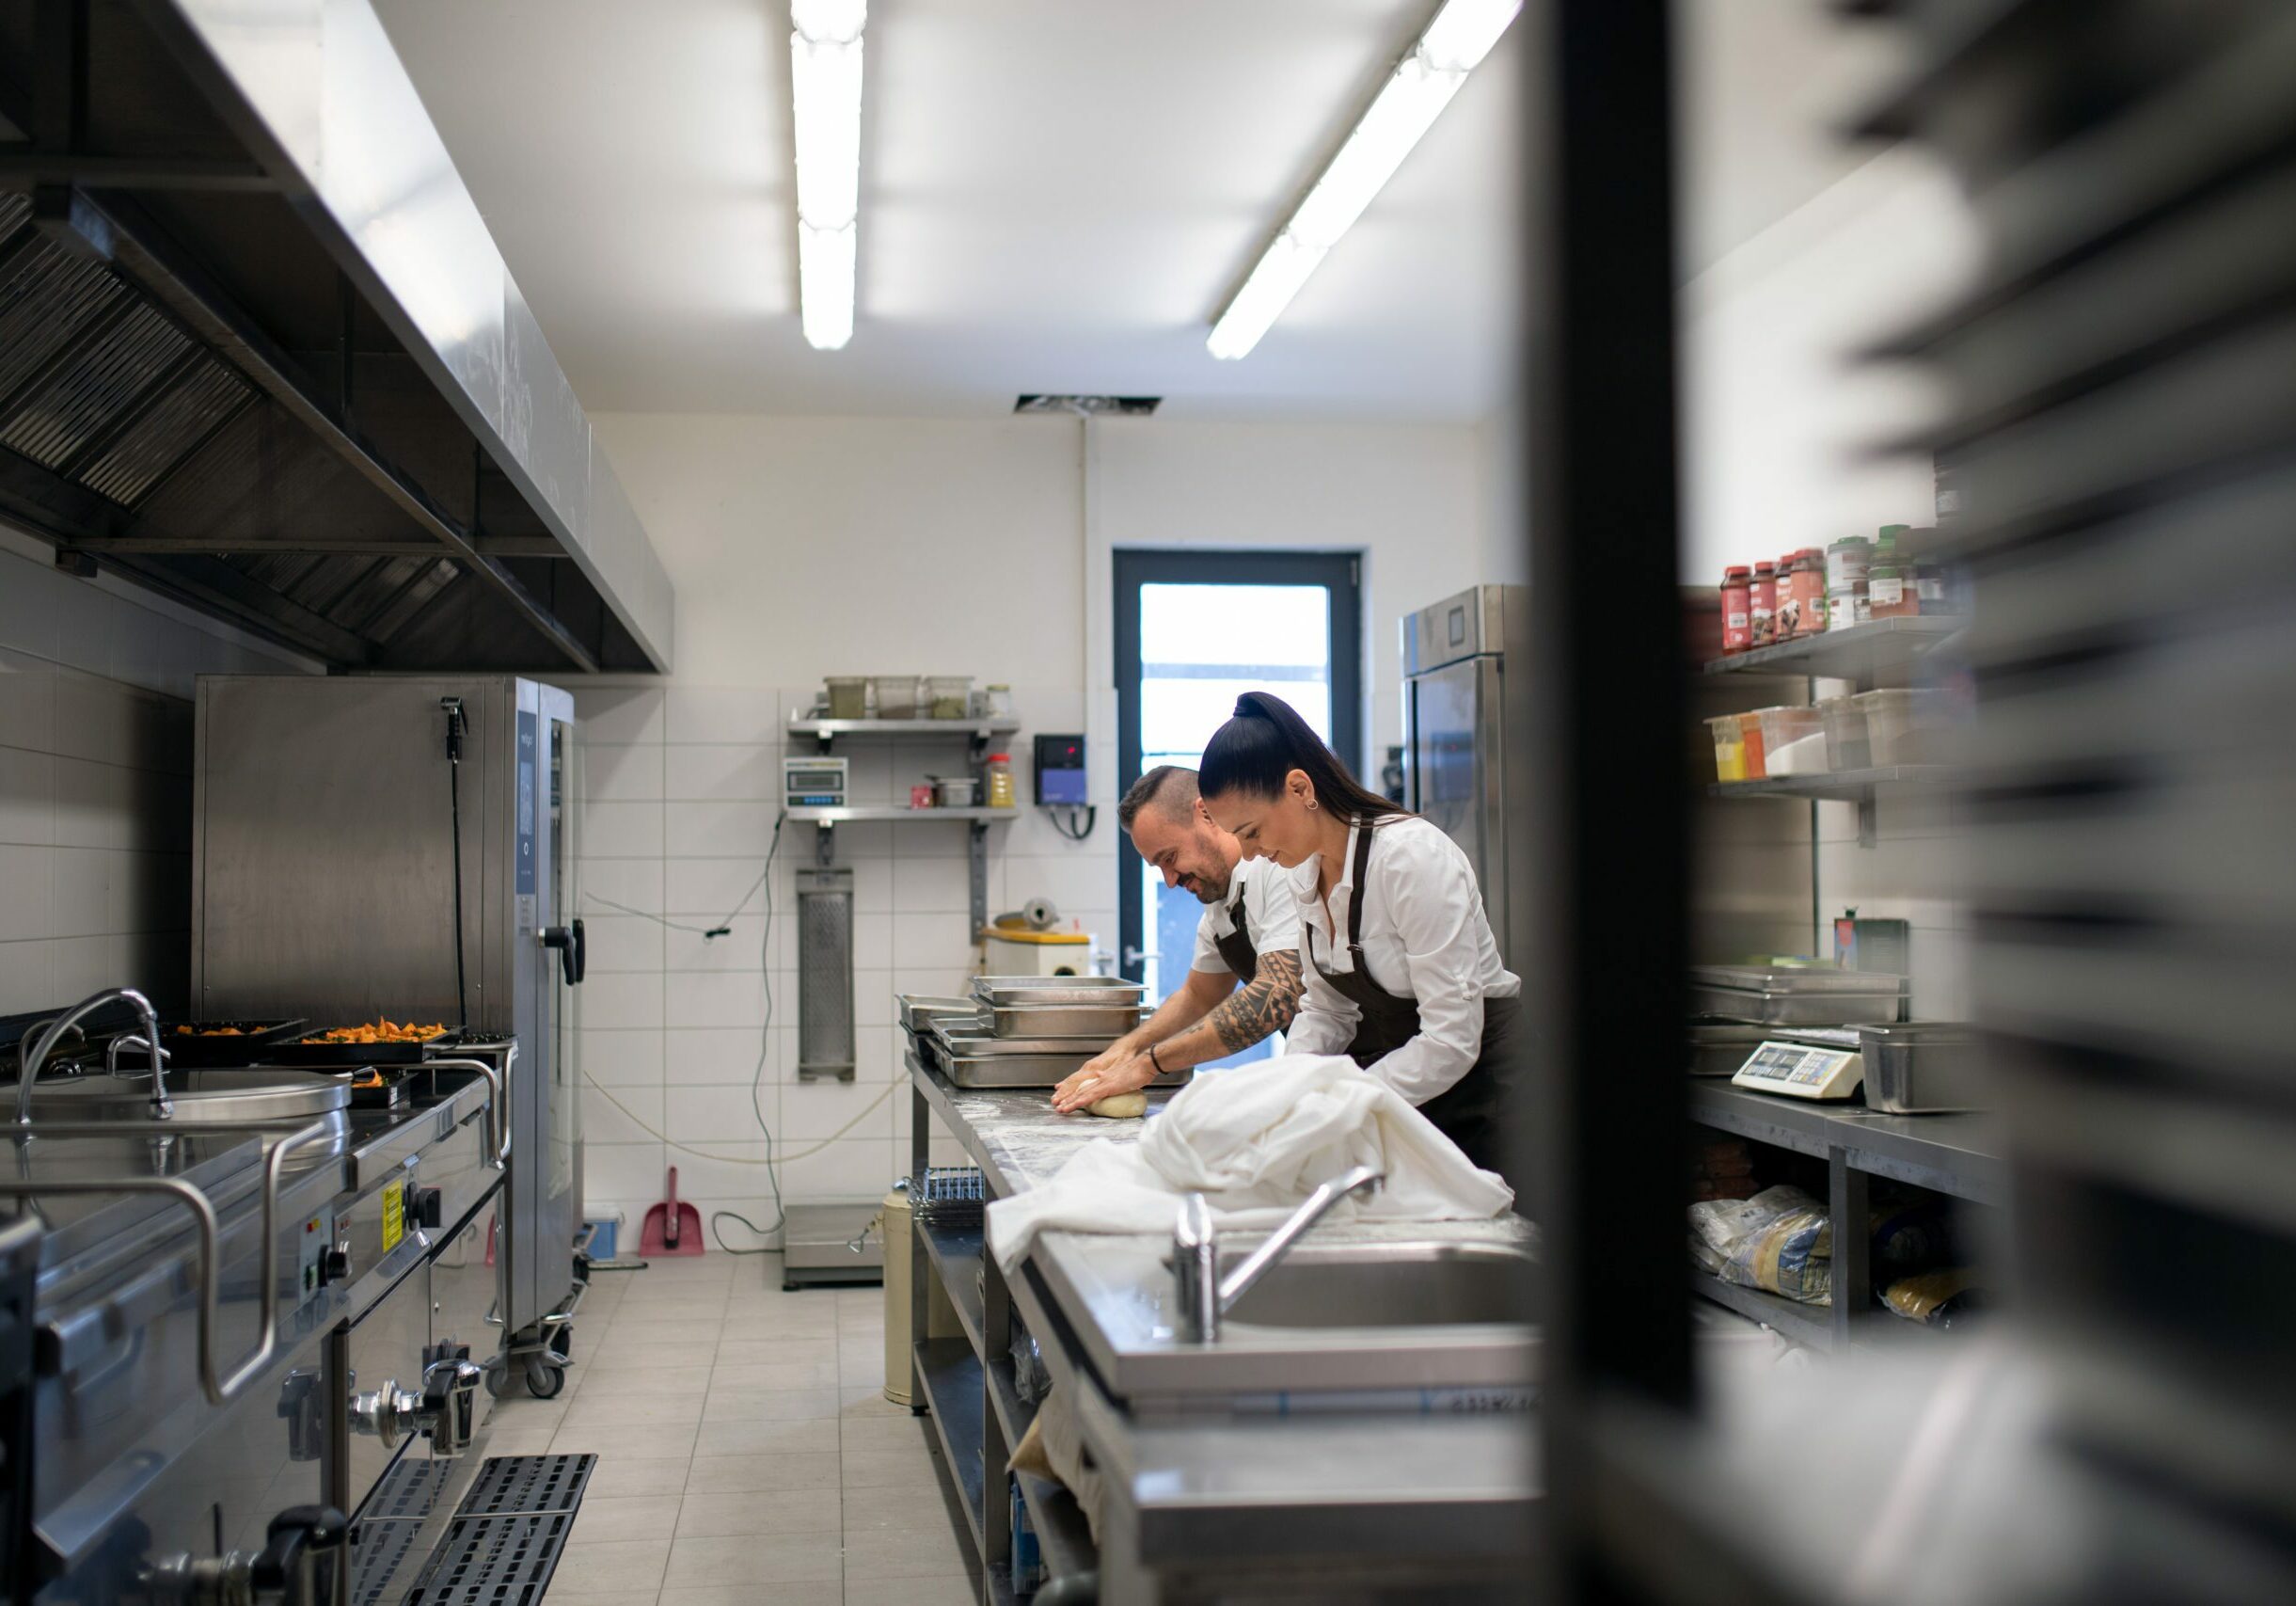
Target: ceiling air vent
{"type": "Point", "coordinates": [1088, 406]}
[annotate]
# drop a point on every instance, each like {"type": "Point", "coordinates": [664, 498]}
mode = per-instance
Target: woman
{"type": "Point", "coordinates": [1402, 970]}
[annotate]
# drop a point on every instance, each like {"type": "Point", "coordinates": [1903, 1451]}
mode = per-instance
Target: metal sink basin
{"type": "Point", "coordinates": [1390, 1285]}
{"type": "Point", "coordinates": [204, 1097]}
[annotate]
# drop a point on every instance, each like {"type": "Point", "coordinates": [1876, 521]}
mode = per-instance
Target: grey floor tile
{"type": "Point", "coordinates": [955, 1589]}
{"type": "Point", "coordinates": [606, 1518]}
{"type": "Point", "coordinates": [729, 1437]}
{"type": "Point", "coordinates": [644, 1441]}
{"type": "Point", "coordinates": [809, 1592]}
{"type": "Point", "coordinates": [762, 1473]}
{"type": "Point", "coordinates": [885, 1433]}
{"type": "Point", "coordinates": [630, 1566]}
{"type": "Point", "coordinates": [619, 1477]}
{"type": "Point", "coordinates": [638, 1374]}
{"type": "Point", "coordinates": [770, 1405]}
{"type": "Point", "coordinates": [632, 1405]}
{"type": "Point", "coordinates": [713, 1513]}
{"type": "Point", "coordinates": [755, 1559]}
{"type": "Point", "coordinates": [738, 1349]}
{"type": "Point", "coordinates": [866, 1402]}
{"type": "Point", "coordinates": [909, 1552]}
{"type": "Point", "coordinates": [887, 1468]}
{"type": "Point", "coordinates": [820, 1375]}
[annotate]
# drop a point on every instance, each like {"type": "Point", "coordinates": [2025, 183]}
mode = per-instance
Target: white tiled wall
{"type": "Point", "coordinates": [1912, 872]}
{"type": "Point", "coordinates": [681, 789]}
{"type": "Point", "coordinates": [95, 781]}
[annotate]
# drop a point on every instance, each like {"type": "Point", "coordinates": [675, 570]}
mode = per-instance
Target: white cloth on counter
{"type": "Point", "coordinates": [1256, 1141]}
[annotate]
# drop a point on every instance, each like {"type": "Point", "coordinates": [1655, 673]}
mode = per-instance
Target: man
{"type": "Point", "coordinates": [1250, 933]}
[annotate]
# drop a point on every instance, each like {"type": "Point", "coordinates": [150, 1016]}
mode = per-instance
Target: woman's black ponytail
{"type": "Point", "coordinates": [1265, 742]}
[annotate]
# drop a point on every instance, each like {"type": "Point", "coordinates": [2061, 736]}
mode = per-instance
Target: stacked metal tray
{"type": "Point", "coordinates": [1023, 1031]}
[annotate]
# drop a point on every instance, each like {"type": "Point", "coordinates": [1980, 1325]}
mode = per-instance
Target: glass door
{"type": "Point", "coordinates": [1194, 631]}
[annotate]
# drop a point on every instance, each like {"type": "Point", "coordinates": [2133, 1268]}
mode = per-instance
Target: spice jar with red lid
{"type": "Point", "coordinates": [1761, 604]}
{"type": "Point", "coordinates": [1737, 603]}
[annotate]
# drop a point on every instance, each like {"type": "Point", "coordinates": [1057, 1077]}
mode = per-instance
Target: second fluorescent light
{"type": "Point", "coordinates": [1413, 96]}
{"type": "Point", "coordinates": [825, 58]}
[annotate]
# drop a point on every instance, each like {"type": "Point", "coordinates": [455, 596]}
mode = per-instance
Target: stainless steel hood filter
{"type": "Point", "coordinates": [825, 976]}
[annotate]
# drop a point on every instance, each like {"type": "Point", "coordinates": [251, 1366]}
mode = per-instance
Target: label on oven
{"type": "Point", "coordinates": [394, 1215]}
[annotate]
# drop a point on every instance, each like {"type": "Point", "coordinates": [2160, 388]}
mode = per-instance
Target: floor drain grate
{"type": "Point", "coordinates": [499, 1549]}
{"type": "Point", "coordinates": [493, 1560]}
{"type": "Point", "coordinates": [521, 1485]}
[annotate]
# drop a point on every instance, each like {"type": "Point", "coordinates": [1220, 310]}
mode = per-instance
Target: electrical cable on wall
{"type": "Point", "coordinates": [1073, 831]}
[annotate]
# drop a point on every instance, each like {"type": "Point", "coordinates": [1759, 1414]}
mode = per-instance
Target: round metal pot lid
{"type": "Point", "coordinates": [235, 1097]}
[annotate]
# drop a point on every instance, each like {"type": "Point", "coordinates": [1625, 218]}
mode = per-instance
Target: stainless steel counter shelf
{"type": "Point", "coordinates": [1954, 1155]}
{"type": "Point", "coordinates": [970, 729]}
{"type": "Point", "coordinates": [949, 1378]}
{"type": "Point", "coordinates": [956, 1254]}
{"type": "Point", "coordinates": [1883, 652]}
{"type": "Point", "coordinates": [1841, 786]}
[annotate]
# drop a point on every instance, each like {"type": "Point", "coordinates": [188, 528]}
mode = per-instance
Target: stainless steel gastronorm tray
{"type": "Point", "coordinates": [1103, 1022]}
{"type": "Point", "coordinates": [1013, 1062]}
{"type": "Point", "coordinates": [920, 1010]}
{"type": "Point", "coordinates": [1796, 1009]}
{"type": "Point", "coordinates": [997, 991]}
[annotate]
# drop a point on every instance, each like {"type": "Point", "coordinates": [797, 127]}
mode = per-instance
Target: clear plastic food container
{"type": "Point", "coordinates": [1846, 747]}
{"type": "Point", "coordinates": [899, 696]}
{"type": "Point", "coordinates": [950, 695]}
{"type": "Point", "coordinates": [1751, 737]}
{"type": "Point", "coordinates": [848, 696]}
{"type": "Point", "coordinates": [1793, 742]}
{"type": "Point", "coordinates": [1729, 748]}
{"type": "Point", "coordinates": [1902, 725]}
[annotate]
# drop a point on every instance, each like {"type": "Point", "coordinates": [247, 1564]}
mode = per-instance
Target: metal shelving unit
{"type": "Point", "coordinates": [1884, 652]}
{"type": "Point", "coordinates": [1841, 786]}
{"type": "Point", "coordinates": [967, 1384]}
{"type": "Point", "coordinates": [979, 731]}
{"type": "Point", "coordinates": [849, 814]}
{"type": "Point", "coordinates": [1956, 1156]}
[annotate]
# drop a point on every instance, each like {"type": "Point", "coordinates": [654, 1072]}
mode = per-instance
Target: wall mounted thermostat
{"type": "Point", "coordinates": [1802, 1071]}
{"type": "Point", "coordinates": [1060, 770]}
{"type": "Point", "coordinates": [815, 783]}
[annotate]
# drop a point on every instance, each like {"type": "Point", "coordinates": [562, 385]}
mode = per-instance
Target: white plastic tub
{"type": "Point", "coordinates": [1902, 725]}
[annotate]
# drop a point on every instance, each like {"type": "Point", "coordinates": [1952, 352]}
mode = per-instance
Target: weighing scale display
{"type": "Point", "coordinates": [1802, 1071]}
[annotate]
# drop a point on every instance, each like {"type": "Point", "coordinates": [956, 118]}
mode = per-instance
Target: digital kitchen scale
{"type": "Point", "coordinates": [1802, 1069]}
{"type": "Point", "coordinates": [815, 783]}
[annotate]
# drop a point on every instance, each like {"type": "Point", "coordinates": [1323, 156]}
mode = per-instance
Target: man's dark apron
{"type": "Point", "coordinates": [1472, 1111]}
{"type": "Point", "coordinates": [1236, 950]}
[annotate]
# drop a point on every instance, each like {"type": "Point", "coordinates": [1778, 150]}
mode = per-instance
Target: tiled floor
{"type": "Point", "coordinates": [746, 1452]}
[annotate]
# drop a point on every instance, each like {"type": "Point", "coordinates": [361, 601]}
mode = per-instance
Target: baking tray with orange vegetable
{"type": "Point", "coordinates": [379, 1042]}
{"type": "Point", "coordinates": [193, 1043]}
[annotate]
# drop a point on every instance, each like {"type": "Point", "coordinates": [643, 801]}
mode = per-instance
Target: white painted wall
{"type": "Point", "coordinates": [802, 548]}
{"type": "Point", "coordinates": [95, 779]}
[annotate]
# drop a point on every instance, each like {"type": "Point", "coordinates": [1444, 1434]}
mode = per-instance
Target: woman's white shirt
{"type": "Point", "coordinates": [1425, 937]}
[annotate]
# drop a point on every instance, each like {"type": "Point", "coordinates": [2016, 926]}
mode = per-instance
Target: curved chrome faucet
{"type": "Point", "coordinates": [1204, 1295]}
{"type": "Point", "coordinates": [38, 1055]}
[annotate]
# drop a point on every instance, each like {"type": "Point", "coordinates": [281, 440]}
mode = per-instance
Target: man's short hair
{"type": "Point", "coordinates": [1170, 788]}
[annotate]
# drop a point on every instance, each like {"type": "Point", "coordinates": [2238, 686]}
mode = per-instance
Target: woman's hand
{"type": "Point", "coordinates": [1088, 1086]}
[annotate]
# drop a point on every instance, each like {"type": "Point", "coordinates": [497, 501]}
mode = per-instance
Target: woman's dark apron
{"type": "Point", "coordinates": [1472, 1111]}
{"type": "Point", "coordinates": [1236, 950]}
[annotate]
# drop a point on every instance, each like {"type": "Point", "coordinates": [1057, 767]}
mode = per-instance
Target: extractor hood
{"type": "Point", "coordinates": [258, 350]}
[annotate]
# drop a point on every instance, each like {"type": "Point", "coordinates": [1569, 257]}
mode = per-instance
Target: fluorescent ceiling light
{"type": "Point", "coordinates": [1413, 96]}
{"type": "Point", "coordinates": [825, 78]}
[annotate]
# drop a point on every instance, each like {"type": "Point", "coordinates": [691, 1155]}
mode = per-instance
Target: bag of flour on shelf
{"type": "Point", "coordinates": [1778, 1241]}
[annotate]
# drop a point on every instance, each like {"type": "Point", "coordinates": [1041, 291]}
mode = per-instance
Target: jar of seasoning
{"type": "Point", "coordinates": [1737, 602]}
{"type": "Point", "coordinates": [999, 775]}
{"type": "Point", "coordinates": [1809, 586]}
{"type": "Point", "coordinates": [1761, 604]}
{"type": "Point", "coordinates": [1845, 564]}
{"type": "Point", "coordinates": [1890, 587]}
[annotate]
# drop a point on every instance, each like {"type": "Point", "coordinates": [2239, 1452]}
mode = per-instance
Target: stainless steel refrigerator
{"type": "Point", "coordinates": [325, 883]}
{"type": "Point", "coordinates": [1460, 769]}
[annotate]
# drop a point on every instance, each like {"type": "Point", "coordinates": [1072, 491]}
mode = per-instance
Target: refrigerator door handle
{"type": "Point", "coordinates": [573, 952]}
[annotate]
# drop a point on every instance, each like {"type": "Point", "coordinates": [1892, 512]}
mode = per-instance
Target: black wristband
{"type": "Point", "coordinates": [1153, 1060]}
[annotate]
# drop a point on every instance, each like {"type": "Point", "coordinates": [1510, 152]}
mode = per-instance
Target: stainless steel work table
{"type": "Point", "coordinates": [1196, 1495]}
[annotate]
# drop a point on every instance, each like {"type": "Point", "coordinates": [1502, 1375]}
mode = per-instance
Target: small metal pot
{"type": "Point", "coordinates": [955, 792]}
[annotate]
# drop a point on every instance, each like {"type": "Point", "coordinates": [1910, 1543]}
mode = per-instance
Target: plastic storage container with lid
{"type": "Point", "coordinates": [999, 776]}
{"type": "Point", "coordinates": [1902, 724]}
{"type": "Point", "coordinates": [899, 696]}
{"type": "Point", "coordinates": [1793, 742]}
{"type": "Point", "coordinates": [1750, 738]}
{"type": "Point", "coordinates": [1846, 747]}
{"type": "Point", "coordinates": [950, 696]}
{"type": "Point", "coordinates": [848, 696]}
{"type": "Point", "coordinates": [1729, 748]}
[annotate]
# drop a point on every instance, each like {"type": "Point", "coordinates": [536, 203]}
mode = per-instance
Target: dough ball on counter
{"type": "Point", "coordinates": [1119, 1106]}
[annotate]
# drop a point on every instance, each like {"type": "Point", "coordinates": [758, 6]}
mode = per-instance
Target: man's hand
{"type": "Point", "coordinates": [1088, 1086]}
{"type": "Point", "coordinates": [1108, 1058]}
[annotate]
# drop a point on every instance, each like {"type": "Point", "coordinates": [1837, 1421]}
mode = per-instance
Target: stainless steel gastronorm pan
{"type": "Point", "coordinates": [1102, 990]}
{"type": "Point", "coordinates": [1103, 1022]}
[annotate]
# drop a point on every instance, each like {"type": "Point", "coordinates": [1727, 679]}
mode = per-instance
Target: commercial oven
{"type": "Point", "coordinates": [1465, 767]}
{"type": "Point", "coordinates": [406, 847]}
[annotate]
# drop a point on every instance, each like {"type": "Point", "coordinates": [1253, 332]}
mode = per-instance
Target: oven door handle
{"type": "Point", "coordinates": [573, 951]}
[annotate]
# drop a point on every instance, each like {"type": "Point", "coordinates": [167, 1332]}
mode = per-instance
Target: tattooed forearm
{"type": "Point", "coordinates": [1261, 1007]}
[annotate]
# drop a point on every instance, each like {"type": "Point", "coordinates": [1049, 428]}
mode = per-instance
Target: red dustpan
{"type": "Point", "coordinates": [671, 1228]}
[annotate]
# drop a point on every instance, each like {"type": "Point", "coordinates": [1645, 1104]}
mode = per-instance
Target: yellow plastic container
{"type": "Point", "coordinates": [1729, 748]}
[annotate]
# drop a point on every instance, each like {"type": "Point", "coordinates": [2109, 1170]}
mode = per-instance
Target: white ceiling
{"type": "Point", "coordinates": [1056, 195]}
